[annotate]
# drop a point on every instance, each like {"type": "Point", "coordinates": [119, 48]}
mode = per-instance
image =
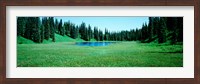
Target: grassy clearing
{"type": "Point", "coordinates": [121, 54]}
{"type": "Point", "coordinates": [59, 38]}
{"type": "Point", "coordinates": [22, 40]}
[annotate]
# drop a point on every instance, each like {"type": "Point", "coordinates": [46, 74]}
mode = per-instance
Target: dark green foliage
{"type": "Point", "coordinates": [61, 28]}
{"type": "Point", "coordinates": [32, 30]}
{"type": "Point", "coordinates": [150, 29]}
{"type": "Point", "coordinates": [86, 36]}
{"type": "Point", "coordinates": [36, 30]}
{"type": "Point", "coordinates": [83, 32]}
{"type": "Point", "coordinates": [74, 31]}
{"type": "Point", "coordinates": [67, 27]}
{"type": "Point", "coordinates": [132, 35]}
{"type": "Point", "coordinates": [156, 26]}
{"type": "Point", "coordinates": [175, 29]}
{"type": "Point", "coordinates": [96, 34]}
{"type": "Point", "coordinates": [162, 30]}
{"type": "Point", "coordinates": [42, 33]}
{"type": "Point", "coordinates": [106, 35]}
{"type": "Point", "coordinates": [28, 29]}
{"type": "Point", "coordinates": [77, 32]}
{"type": "Point", "coordinates": [144, 32]}
{"type": "Point", "coordinates": [90, 33]}
{"type": "Point", "coordinates": [100, 35]}
{"type": "Point", "coordinates": [56, 26]}
{"type": "Point", "coordinates": [45, 22]}
{"type": "Point", "coordinates": [52, 28]}
{"type": "Point", "coordinates": [137, 34]}
{"type": "Point", "coordinates": [21, 26]}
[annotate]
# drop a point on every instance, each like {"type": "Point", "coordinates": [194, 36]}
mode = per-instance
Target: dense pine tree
{"type": "Point", "coordinates": [100, 35]}
{"type": "Point", "coordinates": [67, 26]}
{"type": "Point", "coordinates": [150, 29]}
{"type": "Point", "coordinates": [56, 26]}
{"type": "Point", "coordinates": [32, 30]}
{"type": "Point", "coordinates": [77, 32]}
{"type": "Point", "coordinates": [82, 31]}
{"type": "Point", "coordinates": [21, 26]}
{"type": "Point", "coordinates": [106, 35]}
{"type": "Point", "coordinates": [36, 30]}
{"type": "Point", "coordinates": [73, 32]}
{"type": "Point", "coordinates": [42, 32]}
{"type": "Point", "coordinates": [28, 29]}
{"type": "Point", "coordinates": [96, 34]}
{"type": "Point", "coordinates": [90, 36]}
{"type": "Point", "coordinates": [162, 30]}
{"type": "Point", "coordinates": [60, 28]}
{"type": "Point", "coordinates": [52, 28]}
{"type": "Point", "coordinates": [156, 26]}
{"type": "Point", "coordinates": [173, 30]}
{"type": "Point", "coordinates": [45, 22]}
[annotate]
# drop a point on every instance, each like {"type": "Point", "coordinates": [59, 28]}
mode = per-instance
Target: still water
{"type": "Point", "coordinates": [94, 43]}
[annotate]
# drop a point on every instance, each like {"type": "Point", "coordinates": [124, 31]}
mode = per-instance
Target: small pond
{"type": "Point", "coordinates": [94, 43]}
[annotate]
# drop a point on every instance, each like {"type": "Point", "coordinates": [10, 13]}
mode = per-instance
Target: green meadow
{"type": "Point", "coordinates": [104, 41]}
{"type": "Point", "coordinates": [120, 54]}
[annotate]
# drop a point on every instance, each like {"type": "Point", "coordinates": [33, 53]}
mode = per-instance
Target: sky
{"type": "Point", "coordinates": [110, 23]}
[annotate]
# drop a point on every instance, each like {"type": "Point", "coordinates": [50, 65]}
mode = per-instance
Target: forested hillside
{"type": "Point", "coordinates": [158, 29]}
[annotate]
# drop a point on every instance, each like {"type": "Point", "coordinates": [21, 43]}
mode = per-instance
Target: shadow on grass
{"type": "Point", "coordinates": [167, 52]}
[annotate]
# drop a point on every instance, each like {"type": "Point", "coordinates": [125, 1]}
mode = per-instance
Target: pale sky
{"type": "Point", "coordinates": [111, 23]}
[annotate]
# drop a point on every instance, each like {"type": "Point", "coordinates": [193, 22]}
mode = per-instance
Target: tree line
{"type": "Point", "coordinates": [159, 29]}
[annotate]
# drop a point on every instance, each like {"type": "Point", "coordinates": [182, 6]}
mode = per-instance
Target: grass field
{"type": "Point", "coordinates": [121, 54]}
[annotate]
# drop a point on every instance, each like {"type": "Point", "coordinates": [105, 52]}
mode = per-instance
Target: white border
{"type": "Point", "coordinates": [100, 72]}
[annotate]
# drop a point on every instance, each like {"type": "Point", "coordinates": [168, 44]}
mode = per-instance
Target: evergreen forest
{"type": "Point", "coordinates": [158, 29]}
{"type": "Point", "coordinates": [53, 42]}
